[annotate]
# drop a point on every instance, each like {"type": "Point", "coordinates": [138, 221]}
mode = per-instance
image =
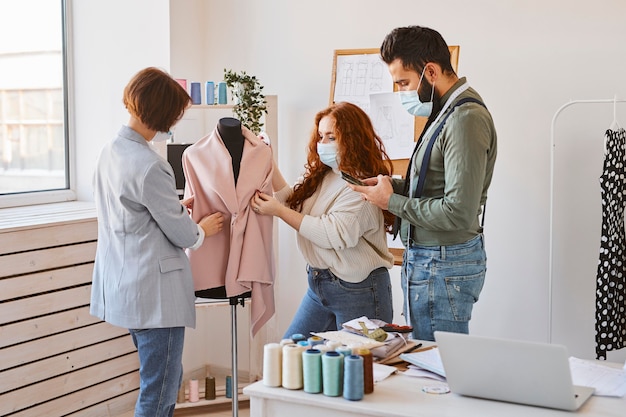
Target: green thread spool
{"type": "Point", "coordinates": [312, 371]}
{"type": "Point", "coordinates": [332, 373]}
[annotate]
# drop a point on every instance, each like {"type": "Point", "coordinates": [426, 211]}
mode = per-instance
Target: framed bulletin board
{"type": "Point", "coordinates": [361, 77]}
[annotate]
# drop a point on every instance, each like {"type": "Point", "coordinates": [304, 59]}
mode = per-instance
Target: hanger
{"type": "Point", "coordinates": [615, 125]}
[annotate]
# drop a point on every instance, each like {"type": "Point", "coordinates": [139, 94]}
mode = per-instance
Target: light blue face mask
{"type": "Point", "coordinates": [328, 154]}
{"type": "Point", "coordinates": [411, 101]}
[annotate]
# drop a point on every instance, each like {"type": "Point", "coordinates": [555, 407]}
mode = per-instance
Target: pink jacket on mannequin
{"type": "Point", "coordinates": [241, 256]}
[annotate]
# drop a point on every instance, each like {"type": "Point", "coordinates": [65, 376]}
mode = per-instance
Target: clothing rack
{"type": "Point", "coordinates": [612, 101]}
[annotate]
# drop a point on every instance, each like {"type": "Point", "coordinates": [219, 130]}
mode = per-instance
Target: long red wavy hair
{"type": "Point", "coordinates": [361, 153]}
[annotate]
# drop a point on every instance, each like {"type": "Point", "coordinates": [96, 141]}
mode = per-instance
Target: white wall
{"type": "Point", "coordinates": [112, 40]}
{"type": "Point", "coordinates": [525, 57]}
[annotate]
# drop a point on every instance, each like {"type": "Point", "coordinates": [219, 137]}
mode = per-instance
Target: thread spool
{"type": "Point", "coordinates": [332, 345]}
{"type": "Point", "coordinates": [181, 393]}
{"type": "Point", "coordinates": [312, 371]}
{"type": "Point", "coordinates": [209, 388]}
{"type": "Point", "coordinates": [193, 391]}
{"type": "Point", "coordinates": [182, 82]}
{"type": "Point", "coordinates": [332, 373]}
{"type": "Point", "coordinates": [292, 367]}
{"type": "Point", "coordinates": [229, 386]}
{"type": "Point", "coordinates": [221, 93]}
{"type": "Point", "coordinates": [210, 93]}
{"type": "Point", "coordinates": [344, 350]}
{"type": "Point", "coordinates": [304, 344]}
{"type": "Point", "coordinates": [354, 349]}
{"type": "Point", "coordinates": [353, 386]}
{"type": "Point", "coordinates": [296, 337]}
{"type": "Point", "coordinates": [368, 370]}
{"type": "Point", "coordinates": [315, 340]}
{"type": "Point", "coordinates": [322, 348]}
{"type": "Point", "coordinates": [195, 93]}
{"type": "Point", "coordinates": [272, 365]}
{"type": "Point", "coordinates": [284, 342]}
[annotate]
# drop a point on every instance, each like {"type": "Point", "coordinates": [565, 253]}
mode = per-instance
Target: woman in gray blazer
{"type": "Point", "coordinates": [142, 278]}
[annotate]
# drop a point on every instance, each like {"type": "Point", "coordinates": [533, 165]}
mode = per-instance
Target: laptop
{"type": "Point", "coordinates": [514, 371]}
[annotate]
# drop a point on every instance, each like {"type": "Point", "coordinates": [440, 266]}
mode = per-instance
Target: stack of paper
{"type": "Point", "coordinates": [428, 359]}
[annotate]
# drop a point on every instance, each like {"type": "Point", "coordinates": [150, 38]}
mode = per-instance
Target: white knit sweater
{"type": "Point", "coordinates": [340, 231]}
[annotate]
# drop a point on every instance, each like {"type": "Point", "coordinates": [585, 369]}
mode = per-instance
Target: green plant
{"type": "Point", "coordinates": [247, 93]}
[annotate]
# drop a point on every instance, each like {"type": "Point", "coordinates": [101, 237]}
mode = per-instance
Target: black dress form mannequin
{"type": "Point", "coordinates": [229, 129]}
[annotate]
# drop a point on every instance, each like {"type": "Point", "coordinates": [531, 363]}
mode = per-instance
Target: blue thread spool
{"type": "Point", "coordinates": [210, 93]}
{"type": "Point", "coordinates": [312, 371]}
{"type": "Point", "coordinates": [353, 386]}
{"type": "Point", "coordinates": [221, 93]}
{"type": "Point", "coordinates": [315, 340]}
{"type": "Point", "coordinates": [296, 337]}
{"type": "Point", "coordinates": [196, 94]}
{"type": "Point", "coordinates": [332, 373]}
{"type": "Point", "coordinates": [229, 387]}
{"type": "Point", "coordinates": [303, 344]}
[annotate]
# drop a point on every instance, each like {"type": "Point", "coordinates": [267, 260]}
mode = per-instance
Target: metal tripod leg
{"type": "Point", "coordinates": [234, 378]}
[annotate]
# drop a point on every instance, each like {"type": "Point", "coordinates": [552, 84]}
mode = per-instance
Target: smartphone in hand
{"type": "Point", "coordinates": [349, 178]}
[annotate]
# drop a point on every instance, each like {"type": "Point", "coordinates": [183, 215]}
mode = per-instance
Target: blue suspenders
{"type": "Point", "coordinates": [429, 148]}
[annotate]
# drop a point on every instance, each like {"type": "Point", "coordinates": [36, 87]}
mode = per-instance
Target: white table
{"type": "Point", "coordinates": [402, 396]}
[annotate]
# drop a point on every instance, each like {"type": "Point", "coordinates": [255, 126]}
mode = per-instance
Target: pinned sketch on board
{"type": "Point", "coordinates": [358, 75]}
{"type": "Point", "coordinates": [361, 77]}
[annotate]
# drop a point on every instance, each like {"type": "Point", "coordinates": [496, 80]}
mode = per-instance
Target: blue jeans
{"type": "Point", "coordinates": [330, 301]}
{"type": "Point", "coordinates": [160, 369]}
{"type": "Point", "coordinates": [441, 285]}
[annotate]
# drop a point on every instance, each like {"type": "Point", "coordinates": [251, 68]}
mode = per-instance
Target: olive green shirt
{"type": "Point", "coordinates": [458, 177]}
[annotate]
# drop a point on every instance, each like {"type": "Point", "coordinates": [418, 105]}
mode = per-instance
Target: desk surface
{"type": "Point", "coordinates": [401, 396]}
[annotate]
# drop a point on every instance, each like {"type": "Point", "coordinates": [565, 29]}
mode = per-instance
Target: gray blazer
{"type": "Point", "coordinates": [141, 277]}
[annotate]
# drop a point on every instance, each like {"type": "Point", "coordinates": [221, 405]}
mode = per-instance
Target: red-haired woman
{"type": "Point", "coordinates": [341, 236]}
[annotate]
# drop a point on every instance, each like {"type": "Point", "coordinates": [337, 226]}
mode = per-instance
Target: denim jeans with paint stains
{"type": "Point", "coordinates": [441, 284]}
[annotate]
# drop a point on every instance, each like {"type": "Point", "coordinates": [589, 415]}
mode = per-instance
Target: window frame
{"type": "Point", "coordinates": [69, 192]}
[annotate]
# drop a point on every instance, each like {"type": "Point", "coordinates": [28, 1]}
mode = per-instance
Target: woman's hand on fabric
{"type": "Point", "coordinates": [265, 204]}
{"type": "Point", "coordinates": [212, 223]}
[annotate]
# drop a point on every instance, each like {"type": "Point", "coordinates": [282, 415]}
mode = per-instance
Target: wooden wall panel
{"type": "Point", "coordinates": [46, 281]}
{"type": "Point", "coordinates": [55, 358]}
{"type": "Point", "coordinates": [64, 342]}
{"type": "Point", "coordinates": [23, 331]}
{"type": "Point", "coordinates": [51, 258]}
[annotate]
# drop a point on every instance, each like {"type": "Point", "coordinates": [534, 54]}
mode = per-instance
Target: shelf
{"type": "Point", "coordinates": [214, 106]}
{"type": "Point", "coordinates": [220, 397]}
{"type": "Point", "coordinates": [216, 401]}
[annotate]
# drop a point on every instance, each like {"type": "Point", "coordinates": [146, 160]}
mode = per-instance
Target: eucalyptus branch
{"type": "Point", "coordinates": [247, 92]}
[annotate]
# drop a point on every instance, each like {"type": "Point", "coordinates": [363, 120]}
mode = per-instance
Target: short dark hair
{"type": "Point", "coordinates": [156, 99]}
{"type": "Point", "coordinates": [416, 46]}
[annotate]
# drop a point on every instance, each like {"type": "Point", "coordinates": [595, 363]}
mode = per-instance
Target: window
{"type": "Point", "coordinates": [34, 160]}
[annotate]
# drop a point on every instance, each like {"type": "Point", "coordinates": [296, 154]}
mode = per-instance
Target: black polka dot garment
{"type": "Point", "coordinates": [611, 278]}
